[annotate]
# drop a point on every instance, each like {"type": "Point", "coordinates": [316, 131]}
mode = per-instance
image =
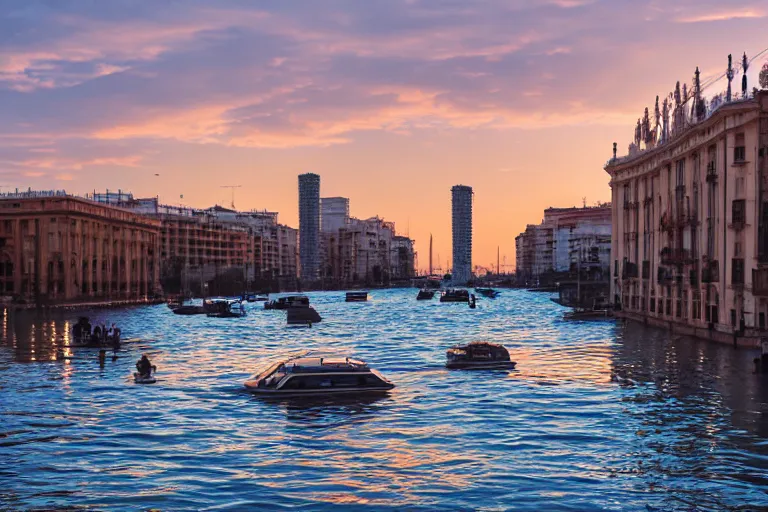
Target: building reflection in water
{"type": "Point", "coordinates": [695, 403]}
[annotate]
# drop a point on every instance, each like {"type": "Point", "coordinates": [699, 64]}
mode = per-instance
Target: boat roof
{"type": "Point", "coordinates": [317, 363]}
{"type": "Point", "coordinates": [357, 293]}
{"type": "Point", "coordinates": [480, 344]}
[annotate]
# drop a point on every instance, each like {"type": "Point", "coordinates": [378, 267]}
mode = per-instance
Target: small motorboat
{"type": "Point", "coordinates": [479, 355]}
{"type": "Point", "coordinates": [175, 302]}
{"type": "Point", "coordinates": [223, 308]}
{"type": "Point", "coordinates": [356, 297]}
{"type": "Point", "coordinates": [318, 376]}
{"type": "Point", "coordinates": [143, 379]}
{"type": "Point", "coordinates": [455, 295]}
{"type": "Point", "coordinates": [425, 294]}
{"type": "Point", "coordinates": [487, 292]}
{"type": "Point", "coordinates": [287, 302]}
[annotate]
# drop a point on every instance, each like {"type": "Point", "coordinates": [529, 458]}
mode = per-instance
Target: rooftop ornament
{"type": "Point", "coordinates": [763, 78]}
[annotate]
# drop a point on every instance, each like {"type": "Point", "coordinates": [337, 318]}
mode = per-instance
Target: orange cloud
{"type": "Point", "coordinates": [724, 16]}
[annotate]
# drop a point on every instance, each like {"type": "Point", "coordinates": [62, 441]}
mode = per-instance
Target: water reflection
{"type": "Point", "coordinates": [596, 415]}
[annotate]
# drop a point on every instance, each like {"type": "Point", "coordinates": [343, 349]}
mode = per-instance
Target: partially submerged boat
{"type": "Point", "coordinates": [479, 355]}
{"type": "Point", "coordinates": [287, 302]}
{"type": "Point", "coordinates": [425, 294]}
{"type": "Point", "coordinates": [487, 292]}
{"type": "Point", "coordinates": [318, 376]}
{"type": "Point", "coordinates": [302, 316]}
{"type": "Point", "coordinates": [356, 297]}
{"type": "Point", "coordinates": [455, 295]}
{"type": "Point", "coordinates": [223, 308]}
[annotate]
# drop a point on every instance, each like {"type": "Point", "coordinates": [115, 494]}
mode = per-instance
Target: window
{"type": "Point", "coordinates": [739, 149]}
{"type": "Point", "coordinates": [738, 212]}
{"type": "Point", "coordinates": [696, 313]}
{"type": "Point", "coordinates": [761, 320]}
{"type": "Point", "coordinates": [737, 249]}
{"type": "Point", "coordinates": [733, 318]}
{"type": "Point", "coordinates": [737, 271]}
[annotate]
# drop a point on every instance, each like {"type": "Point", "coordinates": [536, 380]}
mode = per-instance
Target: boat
{"type": "Point", "coordinates": [425, 294]}
{"type": "Point", "coordinates": [455, 295]}
{"type": "Point", "coordinates": [287, 302]}
{"type": "Point", "coordinates": [175, 302]}
{"type": "Point", "coordinates": [99, 337]}
{"type": "Point", "coordinates": [302, 316]}
{"type": "Point", "coordinates": [479, 355]}
{"type": "Point", "coordinates": [145, 379]}
{"type": "Point", "coordinates": [487, 292]}
{"type": "Point", "coordinates": [307, 376]}
{"type": "Point", "coordinates": [356, 297]}
{"type": "Point", "coordinates": [223, 308]}
{"type": "Point", "coordinates": [189, 309]}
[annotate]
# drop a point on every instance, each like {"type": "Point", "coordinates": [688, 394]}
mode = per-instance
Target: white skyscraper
{"type": "Point", "coordinates": [462, 234]}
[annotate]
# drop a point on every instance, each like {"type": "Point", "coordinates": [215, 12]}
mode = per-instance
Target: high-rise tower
{"type": "Point", "coordinates": [309, 226]}
{"type": "Point", "coordinates": [462, 234]}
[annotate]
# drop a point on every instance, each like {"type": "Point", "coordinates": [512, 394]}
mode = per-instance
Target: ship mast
{"type": "Point", "coordinates": [430, 254]}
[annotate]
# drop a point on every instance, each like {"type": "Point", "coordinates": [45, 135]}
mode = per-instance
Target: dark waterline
{"type": "Point", "coordinates": [598, 416]}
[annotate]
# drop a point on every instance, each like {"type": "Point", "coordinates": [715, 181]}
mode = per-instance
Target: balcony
{"type": "Point", "coordinates": [711, 173]}
{"type": "Point", "coordinates": [676, 256]}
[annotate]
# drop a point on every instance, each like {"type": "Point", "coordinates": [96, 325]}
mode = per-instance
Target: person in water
{"type": "Point", "coordinates": [145, 367]}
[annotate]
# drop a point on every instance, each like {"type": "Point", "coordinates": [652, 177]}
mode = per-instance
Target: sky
{"type": "Point", "coordinates": [391, 102]}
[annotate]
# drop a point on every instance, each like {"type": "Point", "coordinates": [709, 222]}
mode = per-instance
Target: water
{"type": "Point", "coordinates": [598, 416]}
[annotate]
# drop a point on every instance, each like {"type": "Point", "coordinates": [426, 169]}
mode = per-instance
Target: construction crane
{"type": "Point", "coordinates": [233, 187]}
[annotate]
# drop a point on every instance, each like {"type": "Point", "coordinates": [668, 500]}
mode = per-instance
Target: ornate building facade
{"type": "Point", "coordinates": [690, 216]}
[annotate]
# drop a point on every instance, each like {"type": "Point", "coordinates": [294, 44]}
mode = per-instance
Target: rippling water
{"type": "Point", "coordinates": [598, 415]}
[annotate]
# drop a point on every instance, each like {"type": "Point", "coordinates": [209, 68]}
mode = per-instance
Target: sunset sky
{"type": "Point", "coordinates": [392, 102]}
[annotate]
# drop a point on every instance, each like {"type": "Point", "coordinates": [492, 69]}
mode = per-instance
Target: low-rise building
{"type": "Point", "coordinates": [690, 230]}
{"type": "Point", "coordinates": [567, 240]}
{"type": "Point", "coordinates": [57, 248]}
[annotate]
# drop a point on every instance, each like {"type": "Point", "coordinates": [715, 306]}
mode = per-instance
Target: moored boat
{"type": "Point", "coordinates": [318, 376]}
{"type": "Point", "coordinates": [455, 295]}
{"type": "Point", "coordinates": [356, 297]}
{"type": "Point", "coordinates": [479, 355]}
{"type": "Point", "coordinates": [425, 294]}
{"type": "Point", "coordinates": [287, 302]}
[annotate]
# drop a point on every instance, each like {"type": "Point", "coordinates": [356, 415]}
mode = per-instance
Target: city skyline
{"type": "Point", "coordinates": [184, 100]}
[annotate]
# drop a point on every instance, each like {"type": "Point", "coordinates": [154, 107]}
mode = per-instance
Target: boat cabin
{"type": "Point", "coordinates": [289, 301]}
{"type": "Point", "coordinates": [318, 376]}
{"type": "Point", "coordinates": [356, 297]}
{"type": "Point", "coordinates": [455, 295]}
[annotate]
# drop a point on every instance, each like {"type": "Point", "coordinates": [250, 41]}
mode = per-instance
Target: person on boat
{"type": "Point", "coordinates": [145, 366]}
{"type": "Point", "coordinates": [96, 336]}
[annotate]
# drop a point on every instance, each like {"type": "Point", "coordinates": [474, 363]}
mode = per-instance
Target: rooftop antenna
{"type": "Point", "coordinates": [584, 201]}
{"type": "Point", "coordinates": [233, 187]}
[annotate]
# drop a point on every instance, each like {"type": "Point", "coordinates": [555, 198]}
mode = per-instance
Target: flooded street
{"type": "Point", "coordinates": [597, 415]}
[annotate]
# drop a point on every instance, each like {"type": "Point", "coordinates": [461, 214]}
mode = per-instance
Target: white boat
{"type": "Point", "coordinates": [318, 376]}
